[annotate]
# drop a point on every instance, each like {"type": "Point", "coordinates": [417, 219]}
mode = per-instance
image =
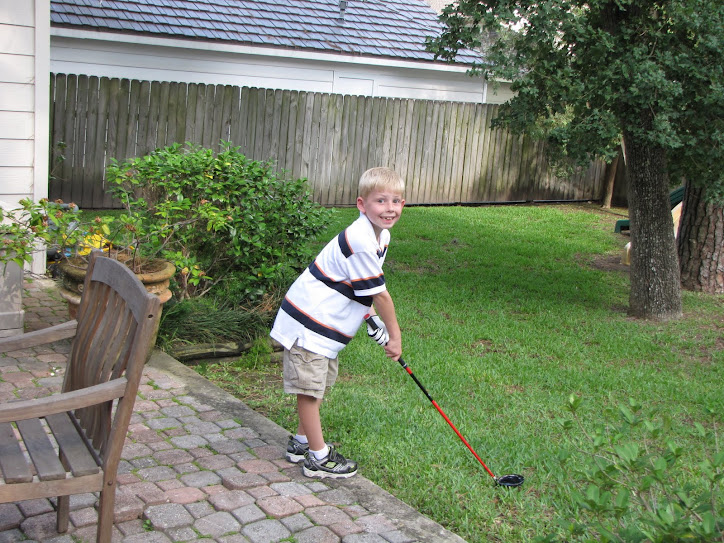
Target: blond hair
{"type": "Point", "coordinates": [380, 179]}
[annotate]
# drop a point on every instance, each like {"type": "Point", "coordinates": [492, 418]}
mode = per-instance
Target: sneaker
{"type": "Point", "coordinates": [334, 465]}
{"type": "Point", "coordinates": [296, 450]}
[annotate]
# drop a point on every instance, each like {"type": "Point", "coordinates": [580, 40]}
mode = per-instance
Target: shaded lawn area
{"type": "Point", "coordinates": [505, 312]}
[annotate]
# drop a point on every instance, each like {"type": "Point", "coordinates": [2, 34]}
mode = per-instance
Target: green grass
{"type": "Point", "coordinates": [505, 312]}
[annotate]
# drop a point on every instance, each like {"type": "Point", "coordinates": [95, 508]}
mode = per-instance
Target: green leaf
{"type": "Point", "coordinates": [628, 452]}
{"type": "Point", "coordinates": [573, 402]}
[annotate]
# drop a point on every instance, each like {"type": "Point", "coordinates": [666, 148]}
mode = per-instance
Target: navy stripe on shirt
{"type": "Point", "coordinates": [345, 289]}
{"type": "Point", "coordinates": [370, 282]}
{"type": "Point", "coordinates": [344, 245]}
{"type": "Point", "coordinates": [313, 325]}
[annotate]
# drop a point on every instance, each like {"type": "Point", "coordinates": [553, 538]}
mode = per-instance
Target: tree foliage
{"type": "Point", "coordinates": [590, 74]}
{"type": "Point", "coordinates": [584, 71]}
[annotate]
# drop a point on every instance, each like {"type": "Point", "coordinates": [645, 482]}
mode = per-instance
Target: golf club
{"type": "Point", "coordinates": [512, 480]}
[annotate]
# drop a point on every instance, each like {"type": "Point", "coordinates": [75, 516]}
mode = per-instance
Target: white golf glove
{"type": "Point", "coordinates": [377, 330]}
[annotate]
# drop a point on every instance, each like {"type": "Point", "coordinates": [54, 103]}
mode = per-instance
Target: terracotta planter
{"type": "Point", "coordinates": [156, 276]}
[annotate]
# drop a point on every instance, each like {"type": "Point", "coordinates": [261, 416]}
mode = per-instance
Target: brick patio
{"type": "Point", "coordinates": [198, 465]}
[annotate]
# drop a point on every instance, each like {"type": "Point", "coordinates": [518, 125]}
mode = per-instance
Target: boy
{"type": "Point", "coordinates": [324, 308]}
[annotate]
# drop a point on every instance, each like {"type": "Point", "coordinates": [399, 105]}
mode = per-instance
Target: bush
{"type": "Point", "coordinates": [206, 320]}
{"type": "Point", "coordinates": [634, 486]}
{"type": "Point", "coordinates": [234, 219]}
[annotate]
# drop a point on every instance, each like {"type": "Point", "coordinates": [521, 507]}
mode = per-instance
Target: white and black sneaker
{"type": "Point", "coordinates": [296, 450]}
{"type": "Point", "coordinates": [334, 466]}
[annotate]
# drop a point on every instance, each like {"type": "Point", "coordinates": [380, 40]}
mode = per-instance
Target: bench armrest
{"type": "Point", "coordinates": [39, 337]}
{"type": "Point", "coordinates": [65, 401]}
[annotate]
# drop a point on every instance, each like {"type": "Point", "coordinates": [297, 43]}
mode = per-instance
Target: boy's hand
{"type": "Point", "coordinates": [393, 349]}
{"type": "Point", "coordinates": [377, 330]}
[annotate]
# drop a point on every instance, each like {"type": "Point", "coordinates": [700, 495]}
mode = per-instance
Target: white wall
{"type": "Point", "coordinates": [24, 109]}
{"type": "Point", "coordinates": [79, 52]}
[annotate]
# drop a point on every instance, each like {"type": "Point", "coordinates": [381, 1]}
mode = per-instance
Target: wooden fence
{"type": "Point", "coordinates": [446, 151]}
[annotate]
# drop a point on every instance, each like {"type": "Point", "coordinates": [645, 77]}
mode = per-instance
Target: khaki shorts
{"type": "Point", "coordinates": [308, 373]}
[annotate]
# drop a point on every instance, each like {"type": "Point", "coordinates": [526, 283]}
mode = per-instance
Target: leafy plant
{"type": "Point", "coordinates": [637, 488]}
{"type": "Point", "coordinates": [56, 224]}
{"type": "Point", "coordinates": [219, 217]}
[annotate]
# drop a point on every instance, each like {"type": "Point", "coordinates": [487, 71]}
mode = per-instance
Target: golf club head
{"type": "Point", "coordinates": [510, 480]}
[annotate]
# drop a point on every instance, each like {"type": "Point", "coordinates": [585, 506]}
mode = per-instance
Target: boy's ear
{"type": "Point", "coordinates": [360, 204]}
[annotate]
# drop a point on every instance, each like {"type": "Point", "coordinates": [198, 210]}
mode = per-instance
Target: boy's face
{"type": "Point", "coordinates": [383, 208]}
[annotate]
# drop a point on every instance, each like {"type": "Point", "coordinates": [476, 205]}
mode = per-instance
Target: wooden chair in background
{"type": "Point", "coordinates": [113, 334]}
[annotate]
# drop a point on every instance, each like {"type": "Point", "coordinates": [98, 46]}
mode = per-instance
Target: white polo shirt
{"type": "Point", "coordinates": [327, 303]}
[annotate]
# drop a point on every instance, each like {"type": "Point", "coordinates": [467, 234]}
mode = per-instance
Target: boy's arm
{"type": "Point", "coordinates": [386, 310]}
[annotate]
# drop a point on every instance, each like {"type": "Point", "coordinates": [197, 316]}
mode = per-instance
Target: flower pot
{"type": "Point", "coordinates": [156, 276]}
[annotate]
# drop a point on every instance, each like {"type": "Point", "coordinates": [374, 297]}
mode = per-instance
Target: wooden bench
{"type": "Point", "coordinates": [113, 334]}
{"type": "Point", "coordinates": [676, 196]}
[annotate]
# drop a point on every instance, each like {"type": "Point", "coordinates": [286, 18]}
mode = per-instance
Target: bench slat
{"type": "Point", "coordinates": [12, 460]}
{"type": "Point", "coordinates": [41, 450]}
{"type": "Point", "coordinates": [72, 445]}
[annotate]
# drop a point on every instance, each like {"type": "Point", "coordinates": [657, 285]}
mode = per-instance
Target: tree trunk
{"type": "Point", "coordinates": [610, 179]}
{"type": "Point", "coordinates": [655, 284]}
{"type": "Point", "coordinates": [701, 243]}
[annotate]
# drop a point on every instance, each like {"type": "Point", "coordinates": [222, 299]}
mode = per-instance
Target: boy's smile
{"type": "Point", "coordinates": [382, 208]}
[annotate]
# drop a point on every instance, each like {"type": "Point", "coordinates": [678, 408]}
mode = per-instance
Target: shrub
{"type": "Point", "coordinates": [636, 489]}
{"type": "Point", "coordinates": [234, 219]}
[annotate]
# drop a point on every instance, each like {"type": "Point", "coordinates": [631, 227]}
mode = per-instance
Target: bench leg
{"type": "Point", "coordinates": [106, 506]}
{"type": "Point", "coordinates": [62, 516]}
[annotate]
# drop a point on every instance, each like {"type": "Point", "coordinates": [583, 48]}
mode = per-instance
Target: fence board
{"type": "Point", "coordinates": [349, 120]}
{"type": "Point", "coordinates": [428, 156]}
{"type": "Point", "coordinates": [291, 130]}
{"type": "Point", "coordinates": [326, 131]}
{"type": "Point", "coordinates": [91, 151]}
{"type": "Point", "coordinates": [144, 108]}
{"type": "Point", "coordinates": [412, 157]}
{"type": "Point", "coordinates": [299, 134]}
{"type": "Point", "coordinates": [282, 114]}
{"type": "Point", "coordinates": [57, 139]}
{"type": "Point", "coordinates": [446, 151]}
{"type": "Point", "coordinates": [363, 153]}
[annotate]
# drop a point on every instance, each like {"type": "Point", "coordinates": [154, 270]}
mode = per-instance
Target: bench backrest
{"type": "Point", "coordinates": [117, 324]}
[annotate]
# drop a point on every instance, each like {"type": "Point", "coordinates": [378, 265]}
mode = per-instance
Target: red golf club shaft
{"type": "Point", "coordinates": [407, 368]}
{"type": "Point", "coordinates": [439, 410]}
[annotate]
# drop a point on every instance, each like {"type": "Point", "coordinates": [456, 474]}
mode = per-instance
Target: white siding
{"type": "Point", "coordinates": [499, 94]}
{"type": "Point", "coordinates": [17, 40]}
{"type": "Point", "coordinates": [16, 68]}
{"type": "Point", "coordinates": [17, 97]}
{"type": "Point", "coordinates": [76, 53]}
{"type": "Point", "coordinates": [24, 110]}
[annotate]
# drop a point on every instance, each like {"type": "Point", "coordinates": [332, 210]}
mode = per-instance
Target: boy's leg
{"type": "Point", "coordinates": [310, 422]}
{"type": "Point", "coordinates": [307, 375]}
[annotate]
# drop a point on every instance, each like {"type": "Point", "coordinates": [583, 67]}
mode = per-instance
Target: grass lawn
{"type": "Point", "coordinates": [505, 312]}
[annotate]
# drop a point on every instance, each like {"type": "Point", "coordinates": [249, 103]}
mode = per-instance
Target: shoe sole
{"type": "Point", "coordinates": [319, 474]}
{"type": "Point", "coordinates": [294, 458]}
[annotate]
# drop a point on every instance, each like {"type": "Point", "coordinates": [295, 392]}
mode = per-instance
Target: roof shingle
{"type": "Point", "coordinates": [387, 28]}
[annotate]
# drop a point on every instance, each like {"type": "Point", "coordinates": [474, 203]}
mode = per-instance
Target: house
{"type": "Point", "coordinates": [370, 47]}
